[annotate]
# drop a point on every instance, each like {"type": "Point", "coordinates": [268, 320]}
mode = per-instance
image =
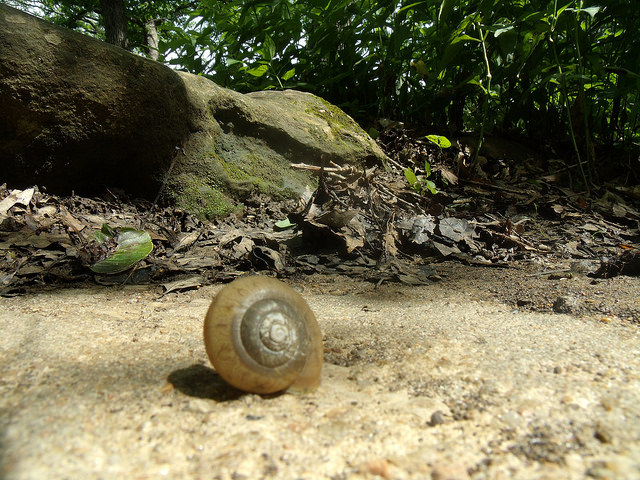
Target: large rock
{"type": "Point", "coordinates": [80, 115]}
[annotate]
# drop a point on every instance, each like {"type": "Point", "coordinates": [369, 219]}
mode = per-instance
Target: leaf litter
{"type": "Point", "coordinates": [500, 211]}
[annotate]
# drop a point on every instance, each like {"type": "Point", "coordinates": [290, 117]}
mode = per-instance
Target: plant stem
{"type": "Point", "coordinates": [565, 94]}
{"type": "Point", "coordinates": [485, 100]}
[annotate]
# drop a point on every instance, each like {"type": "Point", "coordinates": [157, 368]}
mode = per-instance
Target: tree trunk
{"type": "Point", "coordinates": [152, 38]}
{"type": "Point", "coordinates": [115, 22]}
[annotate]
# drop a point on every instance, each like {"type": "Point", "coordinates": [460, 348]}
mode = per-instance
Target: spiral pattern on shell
{"type": "Point", "coordinates": [262, 337]}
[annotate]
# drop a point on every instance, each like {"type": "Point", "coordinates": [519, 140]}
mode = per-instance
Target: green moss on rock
{"type": "Point", "coordinates": [196, 196]}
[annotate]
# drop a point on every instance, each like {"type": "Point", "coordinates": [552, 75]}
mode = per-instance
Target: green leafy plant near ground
{"type": "Point", "coordinates": [124, 248]}
{"type": "Point", "coordinates": [440, 140]}
{"type": "Point", "coordinates": [421, 183]}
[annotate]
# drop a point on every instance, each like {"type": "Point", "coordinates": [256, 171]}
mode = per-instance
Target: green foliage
{"type": "Point", "coordinates": [480, 63]}
{"type": "Point", "coordinates": [439, 140]}
{"type": "Point", "coordinates": [285, 224]}
{"type": "Point", "coordinates": [85, 16]}
{"type": "Point", "coordinates": [552, 70]}
{"type": "Point", "coordinates": [421, 183]}
{"type": "Point", "coordinates": [128, 246]}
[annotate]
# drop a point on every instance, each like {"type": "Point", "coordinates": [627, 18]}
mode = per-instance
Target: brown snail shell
{"type": "Point", "coordinates": [262, 337]}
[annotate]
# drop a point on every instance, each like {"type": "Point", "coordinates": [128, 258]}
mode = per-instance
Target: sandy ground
{"type": "Point", "coordinates": [431, 382]}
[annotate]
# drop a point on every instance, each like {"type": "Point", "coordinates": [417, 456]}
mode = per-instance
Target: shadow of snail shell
{"type": "Point", "coordinates": [262, 337]}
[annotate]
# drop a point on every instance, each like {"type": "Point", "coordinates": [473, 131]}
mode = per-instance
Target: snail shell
{"type": "Point", "coordinates": [262, 337]}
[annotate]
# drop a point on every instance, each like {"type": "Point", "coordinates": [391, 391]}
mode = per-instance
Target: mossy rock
{"type": "Point", "coordinates": [90, 115]}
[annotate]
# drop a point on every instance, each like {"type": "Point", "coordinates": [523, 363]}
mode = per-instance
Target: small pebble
{"type": "Point", "coordinates": [565, 304]}
{"type": "Point", "coordinates": [511, 418]}
{"type": "Point", "coordinates": [437, 418]}
{"type": "Point", "coordinates": [376, 466]}
{"type": "Point", "coordinates": [201, 405]}
{"type": "Point", "coordinates": [449, 471]}
{"type": "Point", "coordinates": [603, 434]}
{"type": "Point", "coordinates": [581, 267]}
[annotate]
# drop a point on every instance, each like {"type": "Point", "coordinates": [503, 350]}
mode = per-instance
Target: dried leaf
{"type": "Point", "coordinates": [20, 197]}
{"type": "Point", "coordinates": [449, 176]}
{"type": "Point", "coordinates": [183, 283]}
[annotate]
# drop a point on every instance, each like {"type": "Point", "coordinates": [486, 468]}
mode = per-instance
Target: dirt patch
{"type": "Point", "coordinates": [434, 381]}
{"type": "Point", "coordinates": [471, 338]}
{"type": "Point", "coordinates": [561, 287]}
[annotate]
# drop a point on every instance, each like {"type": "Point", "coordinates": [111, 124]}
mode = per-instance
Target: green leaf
{"type": "Point", "coordinates": [268, 48]}
{"type": "Point", "coordinates": [258, 71]}
{"type": "Point", "coordinates": [439, 140]}
{"type": "Point", "coordinates": [284, 224]}
{"type": "Point", "coordinates": [410, 6]}
{"type": "Point", "coordinates": [429, 185]}
{"type": "Point", "coordinates": [101, 237]}
{"type": "Point", "coordinates": [107, 230]}
{"type": "Point", "coordinates": [133, 246]}
{"type": "Point", "coordinates": [427, 168]}
{"type": "Point", "coordinates": [410, 176]}
{"type": "Point", "coordinates": [421, 67]}
{"type": "Point", "coordinates": [562, 9]}
{"type": "Point", "coordinates": [463, 38]}
{"type": "Point", "coordinates": [502, 30]}
{"type": "Point", "coordinates": [373, 133]}
{"type": "Point", "coordinates": [477, 83]}
{"type": "Point", "coordinates": [592, 11]}
{"type": "Point", "coordinates": [288, 74]}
